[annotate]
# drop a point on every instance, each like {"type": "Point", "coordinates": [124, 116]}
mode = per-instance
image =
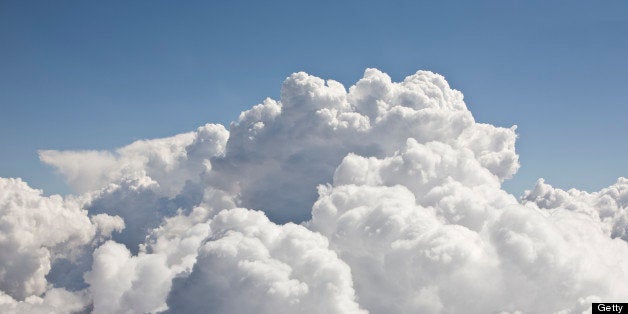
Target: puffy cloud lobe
{"type": "Point", "coordinates": [34, 231]}
{"type": "Point", "coordinates": [608, 206]}
{"type": "Point", "coordinates": [298, 142]}
{"type": "Point", "coordinates": [251, 265]}
{"type": "Point", "coordinates": [107, 224]}
{"type": "Point", "coordinates": [144, 181]}
{"type": "Point", "coordinates": [138, 202]}
{"type": "Point", "coordinates": [123, 283]}
{"type": "Point", "coordinates": [168, 162]}
{"type": "Point", "coordinates": [54, 301]}
{"type": "Point", "coordinates": [119, 281]}
{"type": "Point", "coordinates": [409, 215]}
{"type": "Point", "coordinates": [544, 252]}
{"type": "Point", "coordinates": [403, 257]}
{"type": "Point", "coordinates": [429, 230]}
{"type": "Point", "coordinates": [451, 180]}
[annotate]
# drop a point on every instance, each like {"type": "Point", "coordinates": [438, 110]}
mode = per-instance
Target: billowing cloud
{"type": "Point", "coordinates": [428, 234]}
{"type": "Point", "coordinates": [168, 162]}
{"type": "Point", "coordinates": [608, 206]}
{"type": "Point", "coordinates": [383, 198]}
{"type": "Point", "coordinates": [54, 301]}
{"type": "Point", "coordinates": [251, 265]}
{"type": "Point", "coordinates": [120, 282]}
{"type": "Point", "coordinates": [35, 231]}
{"type": "Point", "coordinates": [297, 143]}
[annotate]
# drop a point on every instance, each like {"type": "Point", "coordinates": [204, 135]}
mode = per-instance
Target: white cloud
{"type": "Point", "coordinates": [297, 143]}
{"type": "Point", "coordinates": [427, 231]}
{"type": "Point", "coordinates": [609, 206]}
{"type": "Point", "coordinates": [409, 216]}
{"type": "Point", "coordinates": [34, 231]}
{"type": "Point", "coordinates": [169, 162]}
{"type": "Point", "coordinates": [121, 283]}
{"type": "Point", "coordinates": [251, 265]}
{"type": "Point", "coordinates": [54, 301]}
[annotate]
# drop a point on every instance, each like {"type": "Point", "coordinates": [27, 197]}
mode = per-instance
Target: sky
{"type": "Point", "coordinates": [78, 75]}
{"type": "Point", "coordinates": [366, 183]}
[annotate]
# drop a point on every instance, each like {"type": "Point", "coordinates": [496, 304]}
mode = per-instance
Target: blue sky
{"type": "Point", "coordinates": [99, 75]}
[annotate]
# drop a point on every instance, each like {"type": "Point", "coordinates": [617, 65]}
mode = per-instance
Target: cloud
{"type": "Point", "coordinates": [428, 231]}
{"type": "Point", "coordinates": [384, 198]}
{"type": "Point", "coordinates": [168, 162]}
{"type": "Point", "coordinates": [54, 301]}
{"type": "Point", "coordinates": [298, 142]}
{"type": "Point", "coordinates": [607, 207]}
{"type": "Point", "coordinates": [251, 265]}
{"type": "Point", "coordinates": [120, 282]}
{"type": "Point", "coordinates": [36, 230]}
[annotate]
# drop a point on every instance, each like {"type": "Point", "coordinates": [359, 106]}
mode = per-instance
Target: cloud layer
{"type": "Point", "coordinates": [383, 198]}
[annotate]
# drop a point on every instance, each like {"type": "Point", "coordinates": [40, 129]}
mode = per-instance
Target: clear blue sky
{"type": "Point", "coordinates": [100, 74]}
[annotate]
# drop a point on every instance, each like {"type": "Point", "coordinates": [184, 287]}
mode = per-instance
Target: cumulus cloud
{"type": "Point", "coordinates": [120, 282]}
{"type": "Point", "coordinates": [251, 265]}
{"type": "Point", "coordinates": [428, 234]}
{"type": "Point", "coordinates": [168, 162]}
{"type": "Point", "coordinates": [54, 301]}
{"type": "Point", "coordinates": [36, 230]}
{"type": "Point", "coordinates": [381, 198]}
{"type": "Point", "coordinates": [608, 206]}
